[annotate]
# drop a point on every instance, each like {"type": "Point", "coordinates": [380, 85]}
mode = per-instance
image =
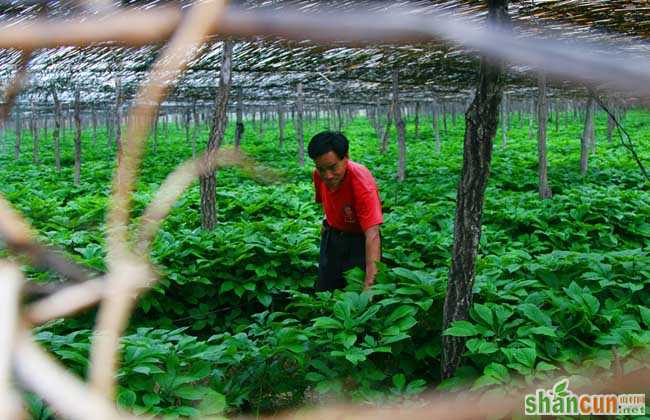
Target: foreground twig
{"type": "Point", "coordinates": [66, 302]}
{"type": "Point", "coordinates": [129, 275]}
{"type": "Point", "coordinates": [10, 284]}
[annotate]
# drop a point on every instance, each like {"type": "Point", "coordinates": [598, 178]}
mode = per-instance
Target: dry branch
{"type": "Point", "coordinates": [129, 275]}
{"type": "Point", "coordinates": [10, 283]}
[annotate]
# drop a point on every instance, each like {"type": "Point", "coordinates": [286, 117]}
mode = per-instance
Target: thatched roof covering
{"type": "Point", "coordinates": [268, 69]}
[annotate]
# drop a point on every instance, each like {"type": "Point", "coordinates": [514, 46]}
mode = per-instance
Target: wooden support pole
{"type": "Point", "coordinates": [399, 125]}
{"type": "Point", "coordinates": [94, 123]}
{"type": "Point", "coordinates": [417, 120]}
{"type": "Point", "coordinates": [298, 125]}
{"type": "Point", "coordinates": [280, 127]}
{"type": "Point", "coordinates": [239, 128]}
{"type": "Point", "coordinates": [481, 121]}
{"type": "Point", "coordinates": [542, 116]}
{"type": "Point", "coordinates": [18, 133]}
{"type": "Point", "coordinates": [504, 120]}
{"type": "Point", "coordinates": [585, 140]}
{"type": "Point", "coordinates": [56, 133]}
{"type": "Point", "coordinates": [36, 151]}
{"type": "Point", "coordinates": [77, 137]}
{"type": "Point", "coordinates": [436, 128]}
{"type": "Point", "coordinates": [208, 182]}
{"type": "Point", "coordinates": [118, 113]}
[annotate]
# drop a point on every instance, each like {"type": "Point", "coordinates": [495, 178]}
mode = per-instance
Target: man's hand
{"type": "Point", "coordinates": [373, 246]}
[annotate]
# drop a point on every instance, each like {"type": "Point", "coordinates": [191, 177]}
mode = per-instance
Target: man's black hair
{"type": "Point", "coordinates": [328, 141]}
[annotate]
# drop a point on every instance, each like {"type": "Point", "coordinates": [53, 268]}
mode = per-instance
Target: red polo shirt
{"type": "Point", "coordinates": [354, 206]}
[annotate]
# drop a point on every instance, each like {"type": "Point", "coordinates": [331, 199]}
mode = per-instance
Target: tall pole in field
{"type": "Point", "coordinates": [208, 183]}
{"type": "Point", "coordinates": [481, 121]}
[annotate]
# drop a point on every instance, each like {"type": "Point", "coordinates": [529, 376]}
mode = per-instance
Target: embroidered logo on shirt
{"type": "Point", "coordinates": [348, 214]}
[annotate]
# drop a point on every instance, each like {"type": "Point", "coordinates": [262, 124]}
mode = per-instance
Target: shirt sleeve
{"type": "Point", "coordinates": [317, 196]}
{"type": "Point", "coordinates": [368, 206]}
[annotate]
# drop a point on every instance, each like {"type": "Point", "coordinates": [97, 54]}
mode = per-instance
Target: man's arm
{"type": "Point", "coordinates": [373, 254]}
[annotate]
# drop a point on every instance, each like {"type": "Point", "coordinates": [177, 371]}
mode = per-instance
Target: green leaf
{"type": "Point", "coordinates": [549, 332]}
{"type": "Point", "coordinates": [481, 346]}
{"type": "Point", "coordinates": [314, 377]}
{"type": "Point", "coordinates": [407, 323]}
{"type": "Point", "coordinates": [525, 356]}
{"type": "Point", "coordinates": [226, 286]}
{"type": "Point", "coordinates": [326, 322]}
{"type": "Point", "coordinates": [461, 329]}
{"type": "Point", "coordinates": [645, 315]}
{"type": "Point", "coordinates": [535, 314]}
{"type": "Point", "coordinates": [484, 313]}
{"type": "Point", "coordinates": [399, 380]}
{"type": "Point", "coordinates": [415, 387]}
{"type": "Point", "coordinates": [400, 312]}
{"type": "Point", "coordinates": [349, 340]}
{"type": "Point", "coordinates": [212, 404]}
{"type": "Point", "coordinates": [150, 399]}
{"type": "Point", "coordinates": [126, 397]}
{"type": "Point", "coordinates": [190, 392]}
{"type": "Point", "coordinates": [265, 299]}
{"type": "Point", "coordinates": [498, 372]}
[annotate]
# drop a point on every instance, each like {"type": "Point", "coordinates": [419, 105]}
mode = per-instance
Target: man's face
{"type": "Point", "coordinates": [331, 169]}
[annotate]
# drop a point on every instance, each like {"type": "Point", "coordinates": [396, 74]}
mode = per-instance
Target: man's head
{"type": "Point", "coordinates": [329, 151]}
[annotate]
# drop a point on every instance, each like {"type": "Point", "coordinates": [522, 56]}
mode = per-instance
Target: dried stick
{"type": "Point", "coordinates": [65, 302]}
{"type": "Point", "coordinates": [128, 274]}
{"type": "Point", "coordinates": [38, 372]}
{"type": "Point", "coordinates": [10, 284]}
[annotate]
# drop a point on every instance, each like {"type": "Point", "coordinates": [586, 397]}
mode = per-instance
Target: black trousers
{"type": "Point", "coordinates": [339, 252]}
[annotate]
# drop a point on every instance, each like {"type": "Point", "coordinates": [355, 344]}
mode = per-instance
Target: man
{"type": "Point", "coordinates": [348, 192]}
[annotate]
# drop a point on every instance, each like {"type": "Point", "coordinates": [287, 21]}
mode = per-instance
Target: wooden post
{"type": "Point", "coordinates": [417, 120]}
{"type": "Point", "coordinates": [298, 125]}
{"type": "Point", "coordinates": [481, 119]}
{"type": "Point", "coordinates": [166, 126]}
{"type": "Point", "coordinates": [208, 181]}
{"type": "Point", "coordinates": [436, 128]}
{"type": "Point", "coordinates": [339, 119]}
{"type": "Point", "coordinates": [280, 127]}
{"type": "Point", "coordinates": [36, 151]}
{"type": "Point", "coordinates": [444, 117]}
{"type": "Point", "coordinates": [239, 129]}
{"type": "Point", "coordinates": [118, 113]}
{"type": "Point", "coordinates": [94, 123]}
{"type": "Point", "coordinates": [399, 125]}
{"type": "Point", "coordinates": [77, 137]}
{"type": "Point", "coordinates": [155, 132]}
{"type": "Point", "coordinates": [542, 117]}
{"type": "Point", "coordinates": [188, 137]}
{"type": "Point", "coordinates": [18, 131]}
{"type": "Point", "coordinates": [592, 133]}
{"type": "Point", "coordinates": [585, 140]}
{"type": "Point", "coordinates": [530, 119]}
{"type": "Point", "coordinates": [504, 120]}
{"type": "Point", "coordinates": [389, 120]}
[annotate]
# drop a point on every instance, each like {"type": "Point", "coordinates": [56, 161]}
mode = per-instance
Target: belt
{"type": "Point", "coordinates": [333, 230]}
